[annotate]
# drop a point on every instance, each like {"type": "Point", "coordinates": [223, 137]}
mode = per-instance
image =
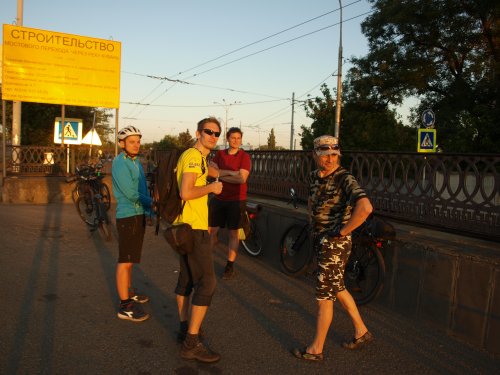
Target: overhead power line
{"type": "Point", "coordinates": [276, 45]}
{"type": "Point", "coordinates": [265, 38]}
{"type": "Point", "coordinates": [198, 106]}
{"type": "Point", "coordinates": [184, 81]}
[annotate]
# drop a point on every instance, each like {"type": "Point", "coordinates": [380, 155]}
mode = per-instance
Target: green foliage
{"type": "Point", "coordinates": [271, 140]}
{"type": "Point", "coordinates": [185, 140]}
{"type": "Point", "coordinates": [37, 122]}
{"type": "Point", "coordinates": [364, 125]}
{"type": "Point", "coordinates": [182, 141]}
{"type": "Point", "coordinates": [444, 52]}
{"type": "Point", "coordinates": [266, 148]}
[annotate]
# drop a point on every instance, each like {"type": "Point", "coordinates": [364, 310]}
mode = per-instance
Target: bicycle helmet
{"type": "Point", "coordinates": [128, 131]}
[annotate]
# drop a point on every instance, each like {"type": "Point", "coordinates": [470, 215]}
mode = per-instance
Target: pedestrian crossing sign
{"type": "Point", "coordinates": [426, 140]}
{"type": "Point", "coordinates": [72, 131]}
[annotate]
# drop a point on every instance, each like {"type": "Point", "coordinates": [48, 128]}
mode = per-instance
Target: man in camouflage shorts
{"type": "Point", "coordinates": [337, 206]}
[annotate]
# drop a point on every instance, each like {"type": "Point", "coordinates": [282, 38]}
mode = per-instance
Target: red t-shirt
{"type": "Point", "coordinates": [240, 160]}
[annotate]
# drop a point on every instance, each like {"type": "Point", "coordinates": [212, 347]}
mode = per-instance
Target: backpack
{"type": "Point", "coordinates": [166, 197]}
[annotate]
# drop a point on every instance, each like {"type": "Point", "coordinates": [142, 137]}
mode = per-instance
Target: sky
{"type": "Point", "coordinates": [239, 61]}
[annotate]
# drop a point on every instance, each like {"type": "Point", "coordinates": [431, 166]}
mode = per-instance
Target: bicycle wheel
{"type": "Point", "coordinates": [295, 250]}
{"type": "Point", "coordinates": [106, 195]}
{"type": "Point", "coordinates": [253, 243]}
{"type": "Point", "coordinates": [78, 190]}
{"type": "Point", "coordinates": [103, 221]}
{"type": "Point", "coordinates": [365, 273]}
{"type": "Point", "coordinates": [85, 208]}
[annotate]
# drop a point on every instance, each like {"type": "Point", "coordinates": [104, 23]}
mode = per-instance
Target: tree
{"type": "Point", "coordinates": [364, 125]}
{"type": "Point", "coordinates": [168, 142]}
{"type": "Point", "coordinates": [37, 122]}
{"type": "Point", "coordinates": [271, 140]}
{"type": "Point", "coordinates": [185, 139]}
{"type": "Point", "coordinates": [182, 141]}
{"type": "Point", "coordinates": [444, 52]}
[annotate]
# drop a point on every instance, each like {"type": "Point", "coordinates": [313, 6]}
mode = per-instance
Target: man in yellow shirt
{"type": "Point", "coordinates": [196, 282]}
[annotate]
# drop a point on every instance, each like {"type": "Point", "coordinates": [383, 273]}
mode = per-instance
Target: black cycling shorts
{"type": "Point", "coordinates": [226, 213]}
{"type": "Point", "coordinates": [130, 237]}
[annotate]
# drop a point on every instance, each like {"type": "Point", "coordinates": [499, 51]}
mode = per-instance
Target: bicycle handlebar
{"type": "Point", "coordinates": [89, 171]}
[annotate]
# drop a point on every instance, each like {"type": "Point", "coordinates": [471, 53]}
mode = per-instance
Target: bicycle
{"type": "Point", "coordinates": [365, 269]}
{"type": "Point", "coordinates": [253, 239]}
{"type": "Point", "coordinates": [92, 198]}
{"type": "Point", "coordinates": [81, 183]}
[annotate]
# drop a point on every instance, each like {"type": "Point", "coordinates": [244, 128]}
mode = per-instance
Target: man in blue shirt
{"type": "Point", "coordinates": [133, 203]}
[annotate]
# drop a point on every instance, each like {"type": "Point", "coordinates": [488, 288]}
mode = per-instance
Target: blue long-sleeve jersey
{"type": "Point", "coordinates": [129, 187]}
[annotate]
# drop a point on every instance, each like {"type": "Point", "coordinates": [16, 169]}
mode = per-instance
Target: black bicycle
{"type": "Point", "coordinates": [92, 198]}
{"type": "Point", "coordinates": [365, 269]}
{"type": "Point", "coordinates": [253, 239]}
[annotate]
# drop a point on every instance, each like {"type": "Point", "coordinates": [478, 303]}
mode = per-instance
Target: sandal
{"type": "Point", "coordinates": [303, 354]}
{"type": "Point", "coordinates": [359, 342]}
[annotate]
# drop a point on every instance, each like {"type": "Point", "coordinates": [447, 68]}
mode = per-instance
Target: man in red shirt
{"type": "Point", "coordinates": [228, 207]}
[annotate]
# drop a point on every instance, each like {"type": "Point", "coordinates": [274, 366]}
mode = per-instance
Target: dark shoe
{"type": "Point", "coordinates": [132, 312]}
{"type": "Point", "coordinates": [228, 273]}
{"type": "Point", "coordinates": [303, 354]}
{"type": "Point", "coordinates": [136, 297]}
{"type": "Point", "coordinates": [181, 335]}
{"type": "Point", "coordinates": [359, 342]}
{"type": "Point", "coordinates": [199, 352]}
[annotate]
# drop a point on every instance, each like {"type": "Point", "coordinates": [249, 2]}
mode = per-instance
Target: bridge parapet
{"type": "Point", "coordinates": [452, 192]}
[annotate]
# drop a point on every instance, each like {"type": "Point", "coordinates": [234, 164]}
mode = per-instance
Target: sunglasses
{"type": "Point", "coordinates": [211, 132]}
{"type": "Point", "coordinates": [327, 147]}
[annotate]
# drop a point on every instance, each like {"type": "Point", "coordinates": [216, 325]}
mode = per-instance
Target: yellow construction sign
{"type": "Point", "coordinates": [50, 67]}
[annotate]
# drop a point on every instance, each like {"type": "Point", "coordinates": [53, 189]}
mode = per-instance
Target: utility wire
{"type": "Point", "coordinates": [198, 106]}
{"type": "Point", "coordinates": [276, 45]}
{"type": "Point", "coordinates": [204, 85]}
{"type": "Point", "coordinates": [174, 82]}
{"type": "Point", "coordinates": [252, 54]}
{"type": "Point", "coordinates": [263, 39]}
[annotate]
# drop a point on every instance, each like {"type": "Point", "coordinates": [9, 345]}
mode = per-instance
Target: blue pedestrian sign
{"type": "Point", "coordinates": [72, 131]}
{"type": "Point", "coordinates": [426, 140]}
{"type": "Point", "coordinates": [428, 118]}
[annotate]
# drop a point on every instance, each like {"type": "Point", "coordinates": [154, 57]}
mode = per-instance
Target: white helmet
{"type": "Point", "coordinates": [128, 131]}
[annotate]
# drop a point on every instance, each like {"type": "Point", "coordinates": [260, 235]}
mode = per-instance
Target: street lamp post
{"type": "Point", "coordinates": [226, 107]}
{"type": "Point", "coordinates": [339, 82]}
{"type": "Point", "coordinates": [16, 105]}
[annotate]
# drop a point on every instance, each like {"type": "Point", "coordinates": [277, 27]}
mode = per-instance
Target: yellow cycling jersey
{"type": "Point", "coordinates": [195, 212]}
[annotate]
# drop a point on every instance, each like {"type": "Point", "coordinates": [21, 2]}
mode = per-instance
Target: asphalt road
{"type": "Point", "coordinates": [59, 313]}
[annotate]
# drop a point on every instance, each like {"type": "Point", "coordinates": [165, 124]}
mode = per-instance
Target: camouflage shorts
{"type": "Point", "coordinates": [332, 255]}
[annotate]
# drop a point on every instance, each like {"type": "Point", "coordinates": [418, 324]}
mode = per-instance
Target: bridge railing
{"type": "Point", "coordinates": [53, 160]}
{"type": "Point", "coordinates": [453, 192]}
